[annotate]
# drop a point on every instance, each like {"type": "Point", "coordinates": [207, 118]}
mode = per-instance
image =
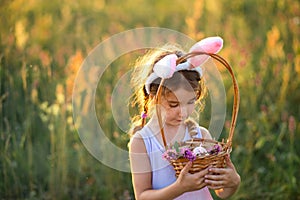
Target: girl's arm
{"type": "Point", "coordinates": [141, 176]}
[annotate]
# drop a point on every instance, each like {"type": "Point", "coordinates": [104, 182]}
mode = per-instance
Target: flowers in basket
{"type": "Point", "coordinates": [176, 151]}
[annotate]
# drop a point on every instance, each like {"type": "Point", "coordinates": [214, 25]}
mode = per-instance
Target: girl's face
{"type": "Point", "coordinates": [178, 106]}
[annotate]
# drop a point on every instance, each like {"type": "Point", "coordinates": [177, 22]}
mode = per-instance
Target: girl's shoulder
{"type": "Point", "coordinates": [136, 143]}
{"type": "Point", "coordinates": [137, 140]}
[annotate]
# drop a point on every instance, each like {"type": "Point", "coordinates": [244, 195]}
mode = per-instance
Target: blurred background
{"type": "Point", "coordinates": [43, 44]}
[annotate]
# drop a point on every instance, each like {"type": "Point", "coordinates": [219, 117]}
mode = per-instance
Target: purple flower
{"type": "Point", "coordinates": [187, 153]}
{"type": "Point", "coordinates": [216, 149]}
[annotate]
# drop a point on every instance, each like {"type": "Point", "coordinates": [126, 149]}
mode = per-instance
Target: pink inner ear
{"type": "Point", "coordinates": [208, 45]}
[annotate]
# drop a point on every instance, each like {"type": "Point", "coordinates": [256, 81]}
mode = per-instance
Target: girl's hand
{"type": "Point", "coordinates": [219, 178]}
{"type": "Point", "coordinates": [191, 182]}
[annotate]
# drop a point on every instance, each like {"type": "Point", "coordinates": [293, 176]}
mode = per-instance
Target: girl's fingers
{"type": "Point", "coordinates": [215, 185]}
{"type": "Point", "coordinates": [202, 173]}
{"type": "Point", "coordinates": [217, 170]}
{"type": "Point", "coordinates": [186, 168]}
{"type": "Point", "coordinates": [218, 178]}
{"type": "Point", "coordinates": [192, 181]}
{"type": "Point", "coordinates": [214, 177]}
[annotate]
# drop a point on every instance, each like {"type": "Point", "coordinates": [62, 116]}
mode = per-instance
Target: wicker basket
{"type": "Point", "coordinates": [202, 162]}
{"type": "Point", "coordinates": [215, 160]}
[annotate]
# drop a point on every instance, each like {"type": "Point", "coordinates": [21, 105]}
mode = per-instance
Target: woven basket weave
{"type": "Point", "coordinates": [215, 160]}
{"type": "Point", "coordinates": [202, 162]}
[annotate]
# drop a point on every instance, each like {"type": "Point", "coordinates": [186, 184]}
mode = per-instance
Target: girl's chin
{"type": "Point", "coordinates": [176, 123]}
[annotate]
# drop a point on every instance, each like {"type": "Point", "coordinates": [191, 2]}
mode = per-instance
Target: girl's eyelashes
{"type": "Point", "coordinates": [173, 104]}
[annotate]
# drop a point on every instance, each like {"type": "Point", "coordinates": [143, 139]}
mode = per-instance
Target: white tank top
{"type": "Point", "coordinates": [163, 173]}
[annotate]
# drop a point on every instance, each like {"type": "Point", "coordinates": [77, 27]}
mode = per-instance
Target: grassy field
{"type": "Point", "coordinates": [43, 44]}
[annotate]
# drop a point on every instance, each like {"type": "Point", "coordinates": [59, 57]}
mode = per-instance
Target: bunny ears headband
{"type": "Point", "coordinates": [167, 66]}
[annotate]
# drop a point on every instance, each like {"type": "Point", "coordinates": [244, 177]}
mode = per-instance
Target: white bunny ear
{"type": "Point", "coordinates": [166, 66]}
{"type": "Point", "coordinates": [208, 45]}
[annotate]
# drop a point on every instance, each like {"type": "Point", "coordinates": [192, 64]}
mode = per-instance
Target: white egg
{"type": "Point", "coordinates": [199, 151]}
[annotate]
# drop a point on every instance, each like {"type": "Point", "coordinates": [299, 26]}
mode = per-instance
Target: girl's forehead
{"type": "Point", "coordinates": [180, 95]}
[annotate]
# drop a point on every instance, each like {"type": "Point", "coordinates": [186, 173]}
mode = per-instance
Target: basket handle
{"type": "Point", "coordinates": [158, 111]}
{"type": "Point", "coordinates": [236, 100]}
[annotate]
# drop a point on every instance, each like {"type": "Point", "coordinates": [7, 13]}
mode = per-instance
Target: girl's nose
{"type": "Point", "coordinates": [183, 112]}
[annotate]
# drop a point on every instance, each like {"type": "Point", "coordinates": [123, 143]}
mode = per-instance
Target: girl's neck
{"type": "Point", "coordinates": [172, 133]}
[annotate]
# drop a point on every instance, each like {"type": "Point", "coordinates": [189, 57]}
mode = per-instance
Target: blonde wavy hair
{"type": "Point", "coordinates": [143, 67]}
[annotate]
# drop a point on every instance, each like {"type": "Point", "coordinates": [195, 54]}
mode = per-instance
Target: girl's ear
{"type": "Point", "coordinates": [208, 45]}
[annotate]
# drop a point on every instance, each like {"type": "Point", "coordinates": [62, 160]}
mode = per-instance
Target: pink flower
{"type": "Point", "coordinates": [170, 154]}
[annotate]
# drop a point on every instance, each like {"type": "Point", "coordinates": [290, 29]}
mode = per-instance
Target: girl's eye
{"type": "Point", "coordinates": [173, 105]}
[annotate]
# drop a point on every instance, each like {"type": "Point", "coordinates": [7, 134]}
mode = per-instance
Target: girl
{"type": "Point", "coordinates": [153, 177]}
